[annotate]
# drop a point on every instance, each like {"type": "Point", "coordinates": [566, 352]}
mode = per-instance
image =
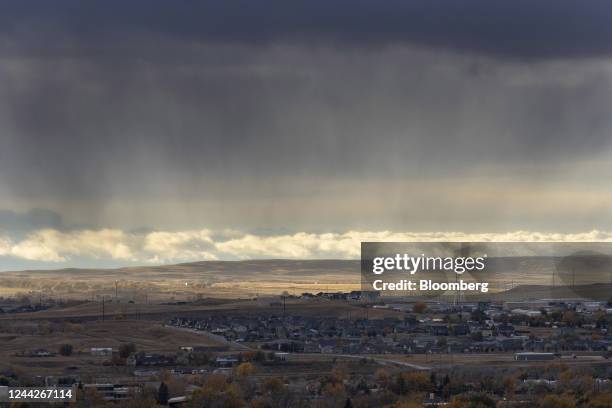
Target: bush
{"type": "Point", "coordinates": [65, 349]}
{"type": "Point", "coordinates": [472, 401]}
{"type": "Point", "coordinates": [126, 349]}
{"type": "Point", "coordinates": [260, 356]}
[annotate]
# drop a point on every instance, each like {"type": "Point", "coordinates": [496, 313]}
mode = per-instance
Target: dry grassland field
{"type": "Point", "coordinates": [19, 338]}
{"type": "Point", "coordinates": [188, 281]}
{"type": "Point", "coordinates": [86, 310]}
{"type": "Point", "coordinates": [239, 279]}
{"type": "Point", "coordinates": [489, 360]}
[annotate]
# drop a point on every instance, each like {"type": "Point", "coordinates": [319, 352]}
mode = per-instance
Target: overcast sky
{"type": "Point", "coordinates": [158, 131]}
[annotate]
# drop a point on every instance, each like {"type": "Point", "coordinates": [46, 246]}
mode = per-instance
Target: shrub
{"type": "Point", "coordinates": [65, 349]}
{"type": "Point", "coordinates": [126, 349]}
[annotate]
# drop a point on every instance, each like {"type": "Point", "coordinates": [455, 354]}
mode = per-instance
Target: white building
{"type": "Point", "coordinates": [101, 351]}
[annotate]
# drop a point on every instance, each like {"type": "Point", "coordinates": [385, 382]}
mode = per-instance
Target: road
{"type": "Point", "coordinates": [378, 359]}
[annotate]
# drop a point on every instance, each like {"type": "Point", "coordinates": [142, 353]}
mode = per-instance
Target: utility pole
{"type": "Point", "coordinates": [102, 307]}
{"type": "Point", "coordinates": [116, 297]}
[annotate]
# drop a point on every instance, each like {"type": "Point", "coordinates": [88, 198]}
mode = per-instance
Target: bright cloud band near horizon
{"type": "Point", "coordinates": [117, 246]}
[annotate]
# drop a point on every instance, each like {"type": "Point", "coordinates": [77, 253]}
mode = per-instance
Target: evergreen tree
{"type": "Point", "coordinates": [162, 394]}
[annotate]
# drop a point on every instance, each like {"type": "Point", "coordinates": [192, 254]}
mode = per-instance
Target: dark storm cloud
{"type": "Point", "coordinates": [110, 109]}
{"type": "Point", "coordinates": [515, 29]}
{"type": "Point", "coordinates": [224, 116]}
{"type": "Point", "coordinates": [33, 219]}
{"type": "Point", "coordinates": [75, 127]}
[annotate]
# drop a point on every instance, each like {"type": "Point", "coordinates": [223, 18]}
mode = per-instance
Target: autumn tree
{"type": "Point", "coordinates": [419, 307]}
{"type": "Point", "coordinates": [335, 392]}
{"type": "Point", "coordinates": [601, 401]}
{"type": "Point", "coordinates": [472, 401]}
{"type": "Point", "coordinates": [510, 385]}
{"type": "Point", "coordinates": [382, 377]}
{"type": "Point", "coordinates": [217, 392]}
{"type": "Point", "coordinates": [272, 385]}
{"type": "Point", "coordinates": [245, 369]}
{"type": "Point", "coordinates": [569, 318]}
{"type": "Point", "coordinates": [411, 382]}
{"type": "Point", "coordinates": [554, 401]}
{"type": "Point", "coordinates": [406, 404]}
